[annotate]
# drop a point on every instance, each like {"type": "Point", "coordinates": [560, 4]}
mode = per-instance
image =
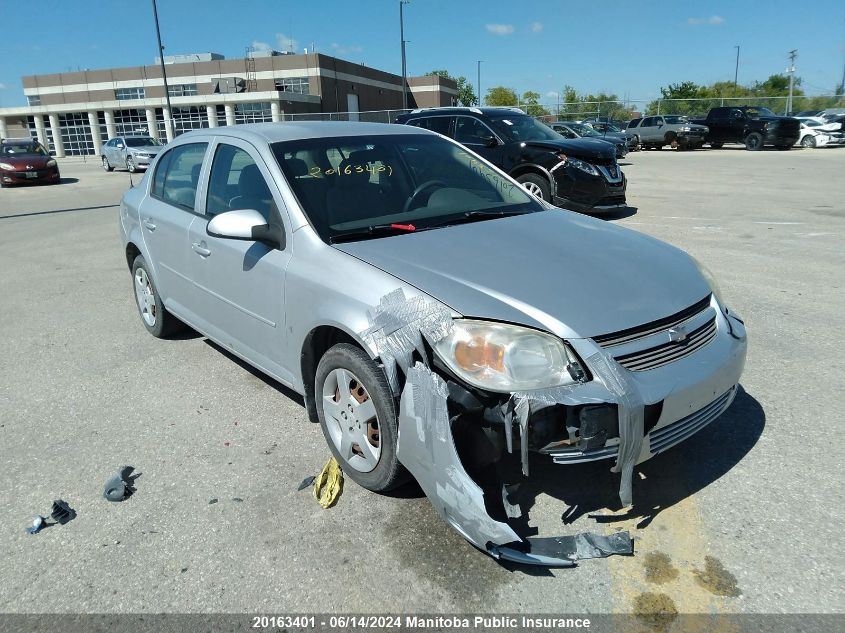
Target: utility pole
{"type": "Point", "coordinates": [478, 82]}
{"type": "Point", "coordinates": [168, 120]}
{"type": "Point", "coordinates": [402, 4]}
{"type": "Point", "coordinates": [736, 70]}
{"type": "Point", "coordinates": [791, 70]}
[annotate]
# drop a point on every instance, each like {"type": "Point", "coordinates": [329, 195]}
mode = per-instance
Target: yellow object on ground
{"type": "Point", "coordinates": [329, 484]}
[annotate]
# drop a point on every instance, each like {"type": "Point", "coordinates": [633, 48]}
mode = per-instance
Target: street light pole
{"type": "Point", "coordinates": [791, 70]}
{"type": "Point", "coordinates": [402, 4]}
{"type": "Point", "coordinates": [478, 82]}
{"type": "Point", "coordinates": [736, 70]}
{"type": "Point", "coordinates": [168, 122]}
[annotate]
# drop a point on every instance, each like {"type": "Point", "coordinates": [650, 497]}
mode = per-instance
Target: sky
{"type": "Point", "coordinates": [623, 47]}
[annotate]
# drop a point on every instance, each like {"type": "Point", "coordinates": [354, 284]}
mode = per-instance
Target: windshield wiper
{"type": "Point", "coordinates": [376, 230]}
{"type": "Point", "coordinates": [476, 216]}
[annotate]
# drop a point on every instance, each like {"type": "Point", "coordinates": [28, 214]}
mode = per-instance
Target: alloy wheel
{"type": "Point", "coordinates": [351, 420]}
{"type": "Point", "coordinates": [533, 188]}
{"type": "Point", "coordinates": [145, 297]}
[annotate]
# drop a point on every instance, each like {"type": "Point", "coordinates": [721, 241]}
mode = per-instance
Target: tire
{"type": "Point", "coordinates": [130, 165]}
{"type": "Point", "coordinates": [378, 469]}
{"type": "Point", "coordinates": [808, 141]}
{"type": "Point", "coordinates": [537, 185]}
{"type": "Point", "coordinates": [155, 317]}
{"type": "Point", "coordinates": [754, 142]}
{"type": "Point", "coordinates": [716, 145]}
{"type": "Point", "coordinates": [107, 165]}
{"type": "Point", "coordinates": [671, 139]}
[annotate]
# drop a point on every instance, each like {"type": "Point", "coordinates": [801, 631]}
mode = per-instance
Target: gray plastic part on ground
{"type": "Point", "coordinates": [564, 551]}
{"type": "Point", "coordinates": [397, 328]}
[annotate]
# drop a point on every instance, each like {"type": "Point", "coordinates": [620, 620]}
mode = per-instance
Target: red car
{"type": "Point", "coordinates": [24, 160]}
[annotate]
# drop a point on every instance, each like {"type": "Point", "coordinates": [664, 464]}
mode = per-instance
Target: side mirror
{"type": "Point", "coordinates": [489, 141]}
{"type": "Point", "coordinates": [245, 224]}
{"type": "Point", "coordinates": [119, 146]}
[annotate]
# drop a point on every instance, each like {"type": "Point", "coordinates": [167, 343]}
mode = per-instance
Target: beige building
{"type": "Point", "coordinates": [75, 113]}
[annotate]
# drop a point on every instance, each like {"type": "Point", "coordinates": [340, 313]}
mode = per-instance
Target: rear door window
{"type": "Point", "coordinates": [177, 175]}
{"type": "Point", "coordinates": [439, 124]}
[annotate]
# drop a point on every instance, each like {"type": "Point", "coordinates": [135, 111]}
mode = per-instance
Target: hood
{"type": "Point", "coordinates": [571, 275]}
{"type": "Point", "coordinates": [21, 161]}
{"type": "Point", "coordinates": [590, 149]}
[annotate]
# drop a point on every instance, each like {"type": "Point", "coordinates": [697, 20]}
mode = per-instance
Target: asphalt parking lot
{"type": "Point", "coordinates": [744, 517]}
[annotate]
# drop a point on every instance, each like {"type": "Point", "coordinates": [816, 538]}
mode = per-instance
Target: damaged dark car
{"type": "Point", "coordinates": [440, 322]}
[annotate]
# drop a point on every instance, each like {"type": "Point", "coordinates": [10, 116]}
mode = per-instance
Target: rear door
{"type": "Point", "coordinates": [240, 284]}
{"type": "Point", "coordinates": [166, 215]}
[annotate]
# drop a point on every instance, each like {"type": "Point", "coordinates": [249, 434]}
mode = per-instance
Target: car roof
{"type": "Point", "coordinates": [466, 110]}
{"type": "Point", "coordinates": [298, 130]}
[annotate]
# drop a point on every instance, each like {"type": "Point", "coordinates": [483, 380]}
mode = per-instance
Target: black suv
{"type": "Point", "coordinates": [580, 174]}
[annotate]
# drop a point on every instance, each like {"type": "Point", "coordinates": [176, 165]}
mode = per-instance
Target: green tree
{"type": "Point", "coordinates": [500, 96]}
{"type": "Point", "coordinates": [531, 103]}
{"type": "Point", "coordinates": [466, 93]}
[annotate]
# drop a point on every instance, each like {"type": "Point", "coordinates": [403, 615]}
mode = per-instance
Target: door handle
{"type": "Point", "coordinates": [149, 224]}
{"type": "Point", "coordinates": [201, 250]}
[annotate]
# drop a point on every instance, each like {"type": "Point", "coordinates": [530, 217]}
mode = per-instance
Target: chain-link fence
{"type": "Point", "coordinates": [372, 116]}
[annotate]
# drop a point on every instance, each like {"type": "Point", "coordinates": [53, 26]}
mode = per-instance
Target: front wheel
{"type": "Point", "coordinates": [754, 142]}
{"type": "Point", "coordinates": [155, 317]}
{"type": "Point", "coordinates": [536, 185]}
{"type": "Point", "coordinates": [808, 141]}
{"type": "Point", "coordinates": [358, 415]}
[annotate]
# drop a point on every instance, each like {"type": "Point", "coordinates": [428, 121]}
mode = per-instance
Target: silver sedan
{"type": "Point", "coordinates": [132, 153]}
{"type": "Point", "coordinates": [440, 321]}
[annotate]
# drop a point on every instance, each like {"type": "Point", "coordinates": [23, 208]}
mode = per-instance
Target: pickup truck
{"type": "Point", "coordinates": [750, 125]}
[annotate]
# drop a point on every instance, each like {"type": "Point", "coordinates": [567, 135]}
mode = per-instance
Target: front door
{"type": "Point", "coordinates": [474, 135]}
{"type": "Point", "coordinates": [241, 283]}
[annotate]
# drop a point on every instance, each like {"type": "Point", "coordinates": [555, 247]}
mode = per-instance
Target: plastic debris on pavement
{"type": "Point", "coordinates": [306, 482]}
{"type": "Point", "coordinates": [61, 513]}
{"type": "Point", "coordinates": [329, 484]}
{"type": "Point", "coordinates": [119, 487]}
{"type": "Point", "coordinates": [37, 523]}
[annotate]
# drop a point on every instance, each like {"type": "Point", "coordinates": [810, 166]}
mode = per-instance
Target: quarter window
{"type": "Point", "coordinates": [439, 124]}
{"type": "Point", "coordinates": [177, 175]}
{"type": "Point", "coordinates": [237, 183]}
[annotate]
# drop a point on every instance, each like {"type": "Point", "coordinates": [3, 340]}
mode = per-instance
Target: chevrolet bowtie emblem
{"type": "Point", "coordinates": [678, 335]}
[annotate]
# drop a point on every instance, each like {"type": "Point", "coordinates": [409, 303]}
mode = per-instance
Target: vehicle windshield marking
{"type": "Point", "coordinates": [350, 189]}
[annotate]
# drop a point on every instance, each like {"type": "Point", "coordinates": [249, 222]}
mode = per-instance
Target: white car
{"type": "Point", "coordinates": [833, 130]}
{"type": "Point", "coordinates": [812, 136]}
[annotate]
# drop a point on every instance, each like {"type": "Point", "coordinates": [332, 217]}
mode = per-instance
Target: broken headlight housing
{"type": "Point", "coordinates": [503, 358]}
{"type": "Point", "coordinates": [582, 165]}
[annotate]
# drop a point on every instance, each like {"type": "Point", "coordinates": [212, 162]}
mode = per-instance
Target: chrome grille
{"type": "Point", "coordinates": [666, 353]}
{"type": "Point", "coordinates": [671, 434]}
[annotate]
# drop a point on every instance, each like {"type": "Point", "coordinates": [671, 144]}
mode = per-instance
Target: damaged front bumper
{"type": "Point", "coordinates": [451, 434]}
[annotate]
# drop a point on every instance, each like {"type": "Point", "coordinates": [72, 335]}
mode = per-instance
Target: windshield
{"type": "Point", "coordinates": [348, 184]}
{"type": "Point", "coordinates": [22, 148]}
{"type": "Point", "coordinates": [521, 127]}
{"type": "Point", "coordinates": [141, 141]}
{"type": "Point", "coordinates": [675, 120]}
{"type": "Point", "coordinates": [759, 111]}
{"type": "Point", "coordinates": [583, 130]}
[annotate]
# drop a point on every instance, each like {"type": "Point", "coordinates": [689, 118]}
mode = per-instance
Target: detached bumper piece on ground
{"type": "Point", "coordinates": [61, 514]}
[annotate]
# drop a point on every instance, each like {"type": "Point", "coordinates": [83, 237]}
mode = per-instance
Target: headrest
{"type": "Point", "coordinates": [297, 167]}
{"type": "Point", "coordinates": [252, 183]}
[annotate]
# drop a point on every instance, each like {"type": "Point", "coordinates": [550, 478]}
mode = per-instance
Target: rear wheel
{"type": "Point", "coordinates": [358, 415]}
{"type": "Point", "coordinates": [106, 165]}
{"type": "Point", "coordinates": [754, 142]}
{"type": "Point", "coordinates": [536, 185]}
{"type": "Point", "coordinates": [155, 317]}
{"type": "Point", "coordinates": [808, 141]}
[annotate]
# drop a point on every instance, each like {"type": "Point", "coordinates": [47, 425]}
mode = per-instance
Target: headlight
{"type": "Point", "coordinates": [583, 166]}
{"type": "Point", "coordinates": [711, 281]}
{"type": "Point", "coordinates": [7, 166]}
{"type": "Point", "coordinates": [51, 163]}
{"type": "Point", "coordinates": [686, 128]}
{"type": "Point", "coordinates": [503, 358]}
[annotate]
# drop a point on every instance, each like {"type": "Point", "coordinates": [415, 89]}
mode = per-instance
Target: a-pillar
{"type": "Point", "coordinates": [39, 129]}
{"type": "Point", "coordinates": [4, 131]}
{"type": "Point", "coordinates": [168, 124]}
{"type": "Point", "coordinates": [230, 114]}
{"type": "Point", "coordinates": [94, 124]}
{"type": "Point", "coordinates": [152, 126]}
{"type": "Point", "coordinates": [211, 115]}
{"type": "Point", "coordinates": [57, 136]}
{"type": "Point", "coordinates": [275, 111]}
{"type": "Point", "coordinates": [111, 129]}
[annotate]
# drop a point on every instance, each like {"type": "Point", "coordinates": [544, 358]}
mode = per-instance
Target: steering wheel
{"type": "Point", "coordinates": [426, 185]}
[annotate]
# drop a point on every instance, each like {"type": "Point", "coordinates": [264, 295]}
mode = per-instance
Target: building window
{"type": "Point", "coordinates": [33, 99]}
{"type": "Point", "coordinates": [126, 94]}
{"type": "Point", "coordinates": [182, 90]}
{"type": "Point", "coordinates": [253, 113]}
{"type": "Point", "coordinates": [298, 85]}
